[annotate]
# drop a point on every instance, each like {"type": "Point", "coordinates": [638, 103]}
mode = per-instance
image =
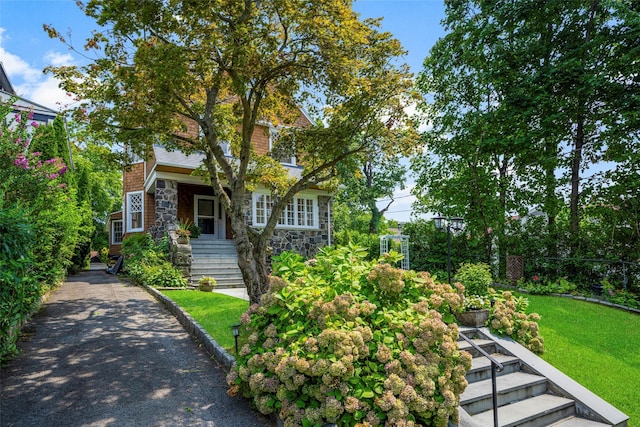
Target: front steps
{"type": "Point", "coordinates": [530, 392]}
{"type": "Point", "coordinates": [217, 259]}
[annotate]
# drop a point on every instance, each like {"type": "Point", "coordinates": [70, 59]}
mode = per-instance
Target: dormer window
{"type": "Point", "coordinates": [284, 158]}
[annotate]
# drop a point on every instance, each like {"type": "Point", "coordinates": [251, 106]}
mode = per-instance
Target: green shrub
{"type": "Point", "coordinates": [560, 286]}
{"type": "Point", "coordinates": [508, 317]}
{"type": "Point", "coordinates": [164, 275]}
{"type": "Point", "coordinates": [19, 291]}
{"type": "Point", "coordinates": [146, 262]}
{"type": "Point", "coordinates": [476, 278]}
{"type": "Point", "coordinates": [104, 255]}
{"type": "Point", "coordinates": [344, 340]}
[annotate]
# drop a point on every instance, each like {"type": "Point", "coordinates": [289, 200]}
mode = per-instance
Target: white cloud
{"type": "Point", "coordinates": [57, 59]}
{"type": "Point", "coordinates": [30, 82]}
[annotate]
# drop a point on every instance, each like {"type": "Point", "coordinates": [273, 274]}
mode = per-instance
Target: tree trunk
{"type": "Point", "coordinates": [550, 203]}
{"type": "Point", "coordinates": [252, 259]}
{"type": "Point", "coordinates": [574, 221]}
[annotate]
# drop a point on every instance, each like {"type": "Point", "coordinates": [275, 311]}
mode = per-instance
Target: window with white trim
{"type": "Point", "coordinates": [299, 212]}
{"type": "Point", "coordinates": [282, 157]}
{"type": "Point", "coordinates": [116, 232]}
{"type": "Point", "coordinates": [135, 209]}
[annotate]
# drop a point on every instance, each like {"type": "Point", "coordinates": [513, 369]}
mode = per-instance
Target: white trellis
{"type": "Point", "coordinates": [404, 247]}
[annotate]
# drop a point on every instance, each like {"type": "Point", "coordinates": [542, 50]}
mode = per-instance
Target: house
{"type": "Point", "coordinates": [162, 190]}
{"type": "Point", "coordinates": [41, 114]}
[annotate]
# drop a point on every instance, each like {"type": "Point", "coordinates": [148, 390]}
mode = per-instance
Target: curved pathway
{"type": "Point", "coordinates": [103, 353]}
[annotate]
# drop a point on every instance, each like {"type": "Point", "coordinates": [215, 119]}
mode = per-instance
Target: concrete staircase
{"type": "Point", "coordinates": [531, 393]}
{"type": "Point", "coordinates": [217, 259]}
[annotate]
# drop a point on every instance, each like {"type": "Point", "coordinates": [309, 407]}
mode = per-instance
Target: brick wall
{"type": "Point", "coordinates": [260, 140]}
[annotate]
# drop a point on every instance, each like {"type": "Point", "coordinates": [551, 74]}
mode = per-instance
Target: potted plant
{"type": "Point", "coordinates": [183, 232]}
{"type": "Point", "coordinates": [206, 284]}
{"type": "Point", "coordinates": [476, 311]}
{"type": "Point", "coordinates": [476, 279]}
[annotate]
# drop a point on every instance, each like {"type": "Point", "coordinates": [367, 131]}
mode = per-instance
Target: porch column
{"type": "Point", "coordinates": [166, 199]}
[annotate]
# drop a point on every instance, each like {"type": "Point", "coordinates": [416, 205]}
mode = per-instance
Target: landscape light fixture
{"type": "Point", "coordinates": [236, 332]}
{"type": "Point", "coordinates": [455, 224]}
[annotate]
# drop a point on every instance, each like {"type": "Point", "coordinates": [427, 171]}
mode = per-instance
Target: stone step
{"type": "Point", "coordinates": [231, 252]}
{"type": "Point", "coordinates": [214, 263]}
{"type": "Point", "coordinates": [539, 411]}
{"type": "Point", "coordinates": [224, 283]}
{"type": "Point", "coordinates": [219, 277]}
{"type": "Point", "coordinates": [487, 345]}
{"type": "Point", "coordinates": [206, 243]}
{"type": "Point", "coordinates": [481, 367]}
{"type": "Point", "coordinates": [512, 387]}
{"type": "Point", "coordinates": [578, 422]}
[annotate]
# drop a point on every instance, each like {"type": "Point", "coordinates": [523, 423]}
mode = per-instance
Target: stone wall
{"type": "Point", "coordinates": [166, 204]}
{"type": "Point", "coordinates": [305, 242]}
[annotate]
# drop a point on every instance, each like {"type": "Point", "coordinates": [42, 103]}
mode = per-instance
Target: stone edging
{"type": "Point", "coordinates": [211, 346]}
{"type": "Point", "coordinates": [587, 299]}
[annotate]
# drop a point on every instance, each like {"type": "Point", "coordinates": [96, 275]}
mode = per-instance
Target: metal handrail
{"type": "Point", "coordinates": [495, 366]}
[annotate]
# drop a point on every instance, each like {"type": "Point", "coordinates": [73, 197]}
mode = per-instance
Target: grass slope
{"type": "Point", "coordinates": [214, 312]}
{"type": "Point", "coordinates": [597, 346]}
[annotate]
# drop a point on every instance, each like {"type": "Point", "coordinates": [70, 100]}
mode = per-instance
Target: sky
{"type": "Point", "coordinates": [25, 49]}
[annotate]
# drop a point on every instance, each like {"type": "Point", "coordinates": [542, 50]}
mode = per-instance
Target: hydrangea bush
{"type": "Point", "coordinates": [344, 340]}
{"type": "Point", "coordinates": [508, 317]}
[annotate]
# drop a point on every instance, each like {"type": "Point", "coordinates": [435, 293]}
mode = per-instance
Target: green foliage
{"type": "Point", "coordinates": [526, 97]}
{"type": "Point", "coordinates": [559, 286]}
{"type": "Point", "coordinates": [42, 189]}
{"type": "Point", "coordinates": [508, 317]}
{"type": "Point", "coordinates": [146, 262]}
{"type": "Point", "coordinates": [428, 247]}
{"type": "Point", "coordinates": [19, 291]}
{"type": "Point", "coordinates": [366, 240]}
{"type": "Point", "coordinates": [104, 255]}
{"type": "Point", "coordinates": [368, 179]}
{"type": "Point", "coordinates": [164, 275]}
{"type": "Point", "coordinates": [341, 339]}
{"type": "Point", "coordinates": [476, 278]}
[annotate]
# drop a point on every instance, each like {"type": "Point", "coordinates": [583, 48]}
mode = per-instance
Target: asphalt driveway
{"type": "Point", "coordinates": [104, 353]}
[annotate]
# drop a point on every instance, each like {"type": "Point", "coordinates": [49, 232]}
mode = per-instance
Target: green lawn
{"type": "Point", "coordinates": [598, 346]}
{"type": "Point", "coordinates": [214, 312]}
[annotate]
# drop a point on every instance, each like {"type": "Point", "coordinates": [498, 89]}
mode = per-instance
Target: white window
{"type": "Point", "coordinates": [285, 158]}
{"type": "Point", "coordinates": [135, 209]}
{"type": "Point", "coordinates": [299, 213]}
{"type": "Point", "coordinates": [226, 147]}
{"type": "Point", "coordinates": [116, 232]}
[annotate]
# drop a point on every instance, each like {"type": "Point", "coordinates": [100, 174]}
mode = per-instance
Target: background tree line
{"type": "Point", "coordinates": [533, 111]}
{"type": "Point", "coordinates": [534, 107]}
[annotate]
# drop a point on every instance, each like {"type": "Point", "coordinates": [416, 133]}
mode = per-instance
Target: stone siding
{"type": "Point", "coordinates": [304, 242]}
{"type": "Point", "coordinates": [166, 206]}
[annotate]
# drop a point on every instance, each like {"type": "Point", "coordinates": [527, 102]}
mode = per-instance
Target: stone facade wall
{"type": "Point", "coordinates": [166, 206]}
{"type": "Point", "coordinates": [305, 242]}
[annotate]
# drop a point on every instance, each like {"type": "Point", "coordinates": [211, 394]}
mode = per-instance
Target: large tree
{"type": "Point", "coordinates": [371, 178]}
{"type": "Point", "coordinates": [228, 65]}
{"type": "Point", "coordinates": [528, 95]}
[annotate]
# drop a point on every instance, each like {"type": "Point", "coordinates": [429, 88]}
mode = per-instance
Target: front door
{"type": "Point", "coordinates": [209, 216]}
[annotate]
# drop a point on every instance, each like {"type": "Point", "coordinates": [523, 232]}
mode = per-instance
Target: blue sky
{"type": "Point", "coordinates": [25, 49]}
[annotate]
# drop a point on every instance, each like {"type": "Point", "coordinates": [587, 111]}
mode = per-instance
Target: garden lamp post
{"type": "Point", "coordinates": [449, 224]}
{"type": "Point", "coordinates": [236, 332]}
